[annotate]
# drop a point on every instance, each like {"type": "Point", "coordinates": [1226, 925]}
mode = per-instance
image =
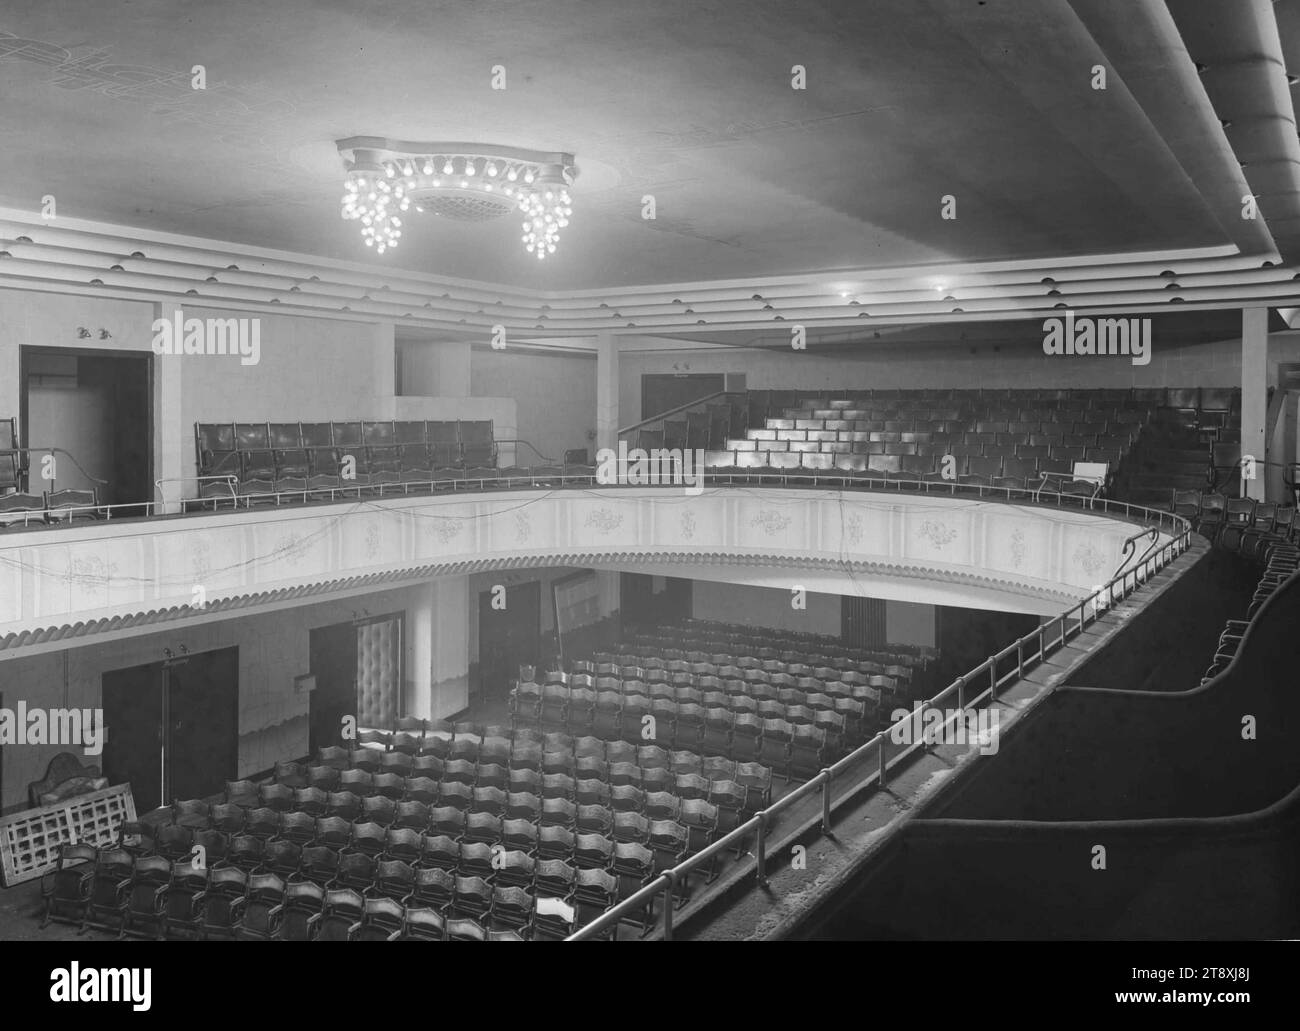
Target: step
{"type": "Point", "coordinates": [1195, 470]}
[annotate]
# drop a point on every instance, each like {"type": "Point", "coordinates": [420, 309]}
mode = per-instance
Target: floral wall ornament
{"type": "Point", "coordinates": [688, 524]}
{"type": "Point", "coordinates": [771, 522]}
{"type": "Point", "coordinates": [448, 529]}
{"type": "Point", "coordinates": [1018, 547]}
{"type": "Point", "coordinates": [523, 528]}
{"type": "Point", "coordinates": [936, 533]}
{"type": "Point", "coordinates": [604, 520]}
{"type": "Point", "coordinates": [1089, 557]}
{"type": "Point", "coordinates": [853, 529]}
{"type": "Point", "coordinates": [91, 571]}
{"type": "Point", "coordinates": [200, 558]}
{"type": "Point", "coordinates": [372, 539]}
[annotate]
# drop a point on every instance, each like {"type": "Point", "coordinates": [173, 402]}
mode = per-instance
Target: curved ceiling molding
{"type": "Point", "coordinates": [72, 256]}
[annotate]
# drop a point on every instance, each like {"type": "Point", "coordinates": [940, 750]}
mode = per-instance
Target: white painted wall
{"type": "Point", "coordinates": [273, 649]}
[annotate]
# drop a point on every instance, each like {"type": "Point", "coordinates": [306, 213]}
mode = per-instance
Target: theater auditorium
{"type": "Point", "coordinates": [649, 471]}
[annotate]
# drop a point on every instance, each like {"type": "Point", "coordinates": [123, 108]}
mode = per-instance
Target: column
{"type": "Point", "coordinates": [383, 337]}
{"type": "Point", "coordinates": [1254, 395]}
{"type": "Point", "coordinates": [606, 391]}
{"type": "Point", "coordinates": [173, 452]}
{"type": "Point", "coordinates": [448, 690]}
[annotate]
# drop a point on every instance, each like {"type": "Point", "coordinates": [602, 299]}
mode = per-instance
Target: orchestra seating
{"type": "Point", "coordinates": [796, 702]}
{"type": "Point", "coordinates": [443, 831]}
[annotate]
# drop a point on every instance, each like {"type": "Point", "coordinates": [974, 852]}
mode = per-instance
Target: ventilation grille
{"type": "Point", "coordinates": [465, 209]}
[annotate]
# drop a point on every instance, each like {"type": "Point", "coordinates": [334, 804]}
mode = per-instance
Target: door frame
{"type": "Point", "coordinates": [26, 351]}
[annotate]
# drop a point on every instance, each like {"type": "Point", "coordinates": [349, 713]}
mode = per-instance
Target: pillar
{"type": "Point", "coordinates": [449, 646]}
{"type": "Point", "coordinates": [1254, 396]}
{"type": "Point", "coordinates": [174, 461]}
{"type": "Point", "coordinates": [606, 391]}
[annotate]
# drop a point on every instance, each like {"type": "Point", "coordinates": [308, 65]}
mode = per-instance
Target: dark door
{"type": "Point", "coordinates": [661, 393]}
{"type": "Point", "coordinates": [333, 657]}
{"type": "Point", "coordinates": [862, 622]}
{"type": "Point", "coordinates": [132, 474]}
{"type": "Point", "coordinates": [133, 720]}
{"type": "Point", "coordinates": [508, 637]}
{"type": "Point", "coordinates": [203, 721]}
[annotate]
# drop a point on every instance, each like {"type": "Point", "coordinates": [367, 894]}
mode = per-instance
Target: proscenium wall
{"type": "Point", "coordinates": [766, 607]}
{"type": "Point", "coordinates": [555, 397]}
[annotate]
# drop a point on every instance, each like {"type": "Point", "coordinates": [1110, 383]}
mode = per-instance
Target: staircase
{"type": "Point", "coordinates": [1168, 456]}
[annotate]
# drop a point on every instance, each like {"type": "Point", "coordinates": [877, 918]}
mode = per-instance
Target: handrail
{"type": "Point", "coordinates": [1130, 545]}
{"type": "Point", "coordinates": [523, 478]}
{"type": "Point", "coordinates": [525, 443]}
{"type": "Point", "coordinates": [1041, 638]}
{"type": "Point", "coordinates": [679, 408]}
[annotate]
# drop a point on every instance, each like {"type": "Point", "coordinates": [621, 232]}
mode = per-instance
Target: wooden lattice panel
{"type": "Point", "coordinates": [30, 840]}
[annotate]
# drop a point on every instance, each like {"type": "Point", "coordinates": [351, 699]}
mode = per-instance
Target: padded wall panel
{"type": "Point", "coordinates": [378, 673]}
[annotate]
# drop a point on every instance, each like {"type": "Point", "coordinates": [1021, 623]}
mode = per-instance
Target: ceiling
{"type": "Point", "coordinates": [907, 101]}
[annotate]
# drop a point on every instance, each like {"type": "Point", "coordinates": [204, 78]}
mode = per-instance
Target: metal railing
{"type": "Point", "coordinates": [519, 479]}
{"type": "Point", "coordinates": [662, 416]}
{"type": "Point", "coordinates": [985, 679]}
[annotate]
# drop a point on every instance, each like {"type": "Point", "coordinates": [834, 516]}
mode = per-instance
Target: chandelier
{"type": "Point", "coordinates": [464, 182]}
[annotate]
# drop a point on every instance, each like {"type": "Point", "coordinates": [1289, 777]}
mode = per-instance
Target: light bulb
{"type": "Point", "coordinates": [492, 168]}
{"type": "Point", "coordinates": [447, 167]}
{"type": "Point", "coordinates": [428, 167]}
{"type": "Point", "coordinates": [469, 168]}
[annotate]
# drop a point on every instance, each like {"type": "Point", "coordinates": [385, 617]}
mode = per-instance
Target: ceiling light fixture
{"type": "Point", "coordinates": [384, 177]}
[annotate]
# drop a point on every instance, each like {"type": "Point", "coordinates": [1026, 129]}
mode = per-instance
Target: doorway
{"type": "Point", "coordinates": [508, 637]}
{"type": "Point", "coordinates": [173, 727]}
{"type": "Point", "coordinates": [95, 406]}
{"type": "Point", "coordinates": [358, 671]}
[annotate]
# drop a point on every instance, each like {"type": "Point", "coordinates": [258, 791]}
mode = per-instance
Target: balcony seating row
{"type": "Point", "coordinates": [276, 450]}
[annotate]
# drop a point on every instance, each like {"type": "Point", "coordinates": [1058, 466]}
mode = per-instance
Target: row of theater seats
{"type": "Point", "coordinates": [50, 508]}
{"type": "Point", "coordinates": [787, 713]}
{"type": "Point", "coordinates": [152, 896]}
{"type": "Point", "coordinates": [703, 640]}
{"type": "Point", "coordinates": [1205, 405]}
{"type": "Point", "coordinates": [585, 841]}
{"type": "Point", "coordinates": [912, 438]}
{"type": "Point", "coordinates": [1281, 557]}
{"type": "Point", "coordinates": [279, 450]}
{"type": "Point", "coordinates": [791, 737]}
{"type": "Point", "coordinates": [1243, 525]}
{"type": "Point", "coordinates": [733, 417]}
